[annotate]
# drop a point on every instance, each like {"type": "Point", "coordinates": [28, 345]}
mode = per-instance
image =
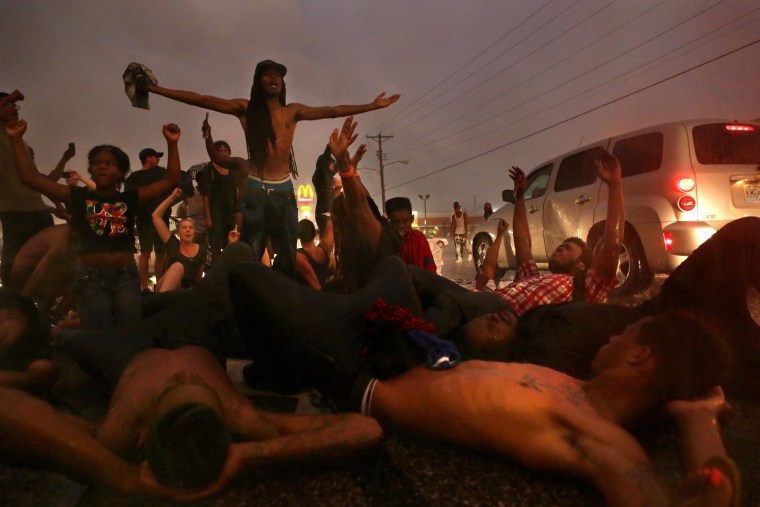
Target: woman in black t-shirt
{"type": "Point", "coordinates": [107, 285]}
{"type": "Point", "coordinates": [185, 258]}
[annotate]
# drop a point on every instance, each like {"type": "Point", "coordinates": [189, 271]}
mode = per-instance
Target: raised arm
{"type": "Point", "coordinates": [490, 263]}
{"type": "Point", "coordinates": [520, 229]}
{"type": "Point", "coordinates": [235, 164]}
{"type": "Point", "coordinates": [353, 189]}
{"type": "Point", "coordinates": [606, 257]}
{"type": "Point", "coordinates": [158, 215]}
{"type": "Point", "coordinates": [706, 456]}
{"type": "Point", "coordinates": [57, 171]}
{"type": "Point", "coordinates": [160, 188]}
{"type": "Point", "coordinates": [235, 107]}
{"type": "Point", "coordinates": [327, 238]}
{"type": "Point", "coordinates": [320, 113]}
{"type": "Point", "coordinates": [27, 170]}
{"type": "Point", "coordinates": [306, 272]}
{"type": "Point", "coordinates": [74, 176]}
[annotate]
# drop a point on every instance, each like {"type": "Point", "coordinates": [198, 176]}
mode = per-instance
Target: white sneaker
{"type": "Point", "coordinates": [458, 260]}
{"type": "Point", "coordinates": [469, 257]}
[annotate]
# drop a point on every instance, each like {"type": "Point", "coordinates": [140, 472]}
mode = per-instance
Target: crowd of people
{"type": "Point", "coordinates": [541, 370]}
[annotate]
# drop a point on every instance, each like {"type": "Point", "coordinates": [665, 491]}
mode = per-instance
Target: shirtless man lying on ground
{"type": "Point", "coordinates": [540, 417]}
{"type": "Point", "coordinates": [178, 412]}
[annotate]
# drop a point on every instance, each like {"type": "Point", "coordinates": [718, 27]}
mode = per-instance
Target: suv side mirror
{"type": "Point", "coordinates": [508, 196]}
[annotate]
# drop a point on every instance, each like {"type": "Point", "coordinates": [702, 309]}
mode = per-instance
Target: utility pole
{"type": "Point", "coordinates": [424, 202]}
{"type": "Point", "coordinates": [379, 138]}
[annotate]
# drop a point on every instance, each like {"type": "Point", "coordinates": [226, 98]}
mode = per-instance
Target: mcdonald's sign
{"type": "Point", "coordinates": [305, 195]}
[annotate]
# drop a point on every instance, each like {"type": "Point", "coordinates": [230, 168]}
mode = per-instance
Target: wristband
{"type": "Point", "coordinates": [351, 173]}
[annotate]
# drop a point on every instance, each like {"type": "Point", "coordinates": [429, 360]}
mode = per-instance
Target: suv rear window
{"type": "Point", "coordinates": [639, 154]}
{"type": "Point", "coordinates": [716, 144]}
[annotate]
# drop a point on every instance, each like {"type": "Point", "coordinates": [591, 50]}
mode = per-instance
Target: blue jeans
{"type": "Point", "coordinates": [108, 297]}
{"type": "Point", "coordinates": [273, 216]}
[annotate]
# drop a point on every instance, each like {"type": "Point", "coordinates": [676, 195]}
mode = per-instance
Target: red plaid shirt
{"type": "Point", "coordinates": [531, 289]}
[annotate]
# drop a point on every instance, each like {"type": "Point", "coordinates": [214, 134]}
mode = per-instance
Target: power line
{"type": "Point", "coordinates": [583, 73]}
{"type": "Point", "coordinates": [509, 32]}
{"type": "Point", "coordinates": [576, 116]}
{"type": "Point", "coordinates": [535, 75]}
{"type": "Point", "coordinates": [569, 99]}
{"type": "Point", "coordinates": [511, 65]}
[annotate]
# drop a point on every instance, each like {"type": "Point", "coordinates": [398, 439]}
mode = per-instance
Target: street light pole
{"type": "Point", "coordinates": [424, 204]}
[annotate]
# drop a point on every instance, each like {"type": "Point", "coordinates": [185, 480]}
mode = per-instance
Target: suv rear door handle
{"type": "Point", "coordinates": [534, 209]}
{"type": "Point", "coordinates": [582, 199]}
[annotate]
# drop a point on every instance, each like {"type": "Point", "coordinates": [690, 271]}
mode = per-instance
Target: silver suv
{"type": "Point", "coordinates": [682, 181]}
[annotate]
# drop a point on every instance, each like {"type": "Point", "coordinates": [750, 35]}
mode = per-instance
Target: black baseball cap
{"type": "Point", "coordinates": [149, 152]}
{"type": "Point", "coordinates": [270, 64]}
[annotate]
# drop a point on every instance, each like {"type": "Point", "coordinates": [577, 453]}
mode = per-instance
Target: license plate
{"type": "Point", "coordinates": [752, 193]}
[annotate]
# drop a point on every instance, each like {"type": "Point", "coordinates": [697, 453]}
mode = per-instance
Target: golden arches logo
{"type": "Point", "coordinates": [305, 194]}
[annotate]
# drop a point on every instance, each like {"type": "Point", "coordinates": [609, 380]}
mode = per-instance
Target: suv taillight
{"type": "Point", "coordinates": [685, 184]}
{"type": "Point", "coordinates": [735, 127]}
{"type": "Point", "coordinates": [686, 203]}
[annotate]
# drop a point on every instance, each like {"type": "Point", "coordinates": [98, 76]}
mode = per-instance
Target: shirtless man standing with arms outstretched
{"type": "Point", "coordinates": [268, 203]}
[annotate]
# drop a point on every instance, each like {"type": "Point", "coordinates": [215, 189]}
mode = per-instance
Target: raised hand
{"type": "Point", "coordinates": [383, 101]}
{"type": "Point", "coordinates": [68, 154]}
{"type": "Point", "coordinates": [16, 130]}
{"type": "Point", "coordinates": [358, 154]}
{"type": "Point", "coordinates": [607, 166]}
{"type": "Point", "coordinates": [73, 177]}
{"type": "Point", "coordinates": [233, 235]}
{"type": "Point", "coordinates": [714, 404]}
{"type": "Point", "coordinates": [521, 182]}
{"type": "Point", "coordinates": [171, 132]}
{"type": "Point", "coordinates": [340, 141]}
{"type": "Point", "coordinates": [206, 129]}
{"type": "Point", "coordinates": [176, 194]}
{"type": "Point", "coordinates": [15, 96]}
{"type": "Point", "coordinates": [502, 226]}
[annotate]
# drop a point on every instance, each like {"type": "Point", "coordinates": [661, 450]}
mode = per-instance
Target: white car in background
{"type": "Point", "coordinates": [682, 181]}
{"type": "Point", "coordinates": [436, 243]}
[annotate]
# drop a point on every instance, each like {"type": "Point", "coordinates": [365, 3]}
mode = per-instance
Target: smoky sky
{"type": "Point", "coordinates": [484, 84]}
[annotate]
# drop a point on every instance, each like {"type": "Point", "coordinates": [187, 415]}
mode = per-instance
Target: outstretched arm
{"type": "Point", "coordinates": [235, 107]}
{"type": "Point", "coordinates": [160, 188]}
{"type": "Point", "coordinates": [27, 170]}
{"type": "Point", "coordinates": [302, 437]}
{"type": "Point", "coordinates": [320, 113]}
{"type": "Point", "coordinates": [490, 263]}
{"type": "Point", "coordinates": [520, 229]}
{"type": "Point", "coordinates": [158, 215]}
{"type": "Point", "coordinates": [606, 257]}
